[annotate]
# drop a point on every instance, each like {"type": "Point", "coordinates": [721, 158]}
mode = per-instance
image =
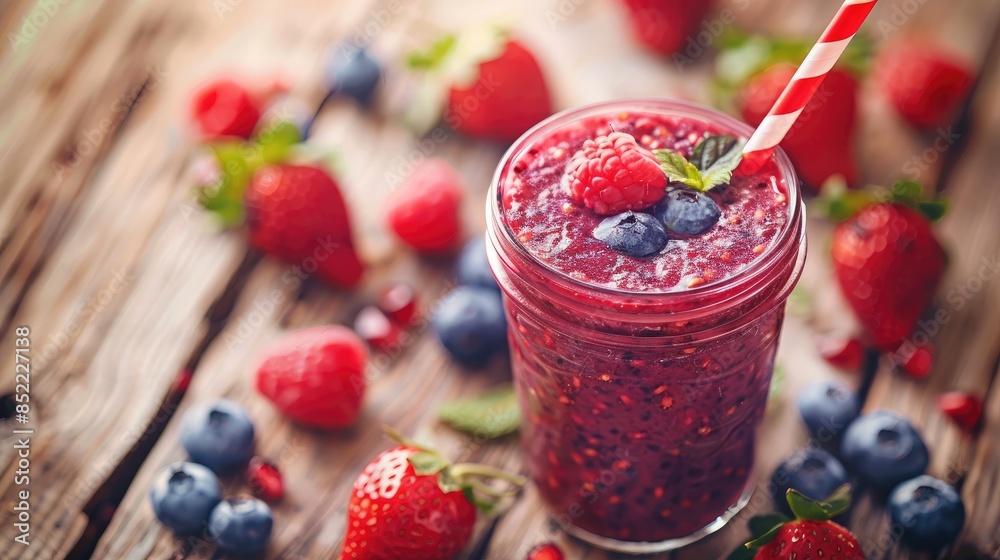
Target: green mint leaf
{"type": "Point", "coordinates": [491, 415]}
{"type": "Point", "coordinates": [679, 170]}
{"type": "Point", "coordinates": [713, 150]}
{"type": "Point", "coordinates": [426, 462]}
{"type": "Point", "coordinates": [933, 210]}
{"type": "Point", "coordinates": [761, 525]}
{"type": "Point", "coordinates": [812, 510]}
{"type": "Point", "coordinates": [433, 56]}
{"type": "Point", "coordinates": [713, 179]}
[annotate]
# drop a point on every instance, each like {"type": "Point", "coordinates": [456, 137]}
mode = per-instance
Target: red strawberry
{"type": "Point", "coordinates": [840, 352]}
{"type": "Point", "coordinates": [612, 174]}
{"type": "Point", "coordinates": [224, 108]}
{"type": "Point", "coordinates": [547, 551]}
{"type": "Point", "coordinates": [925, 84]}
{"type": "Point", "coordinates": [509, 97]}
{"type": "Point", "coordinates": [412, 503]}
{"type": "Point", "coordinates": [315, 376]}
{"type": "Point", "coordinates": [888, 264]}
{"type": "Point", "coordinates": [820, 143]}
{"type": "Point", "coordinates": [810, 536]}
{"type": "Point", "coordinates": [667, 25]}
{"type": "Point", "coordinates": [965, 409]}
{"type": "Point", "coordinates": [296, 213]}
{"type": "Point", "coordinates": [424, 210]}
{"type": "Point", "coordinates": [919, 360]}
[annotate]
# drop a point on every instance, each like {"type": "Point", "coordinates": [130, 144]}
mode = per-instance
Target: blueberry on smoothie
{"type": "Point", "coordinates": [812, 471]}
{"type": "Point", "coordinates": [219, 436]}
{"type": "Point", "coordinates": [687, 212]}
{"type": "Point", "coordinates": [633, 233]}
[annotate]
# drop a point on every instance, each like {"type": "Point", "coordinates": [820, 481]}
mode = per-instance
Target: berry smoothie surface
{"type": "Point", "coordinates": [650, 440]}
{"type": "Point", "coordinates": [542, 215]}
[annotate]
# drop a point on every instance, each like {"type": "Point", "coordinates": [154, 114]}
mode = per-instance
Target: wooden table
{"type": "Point", "coordinates": [126, 286]}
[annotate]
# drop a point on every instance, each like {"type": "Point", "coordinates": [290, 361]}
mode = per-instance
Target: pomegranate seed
{"type": "Point", "coordinates": [841, 352]}
{"type": "Point", "coordinates": [376, 329]}
{"type": "Point", "coordinates": [547, 551]}
{"type": "Point", "coordinates": [265, 480]}
{"type": "Point", "coordinates": [399, 303]}
{"type": "Point", "coordinates": [965, 409]}
{"type": "Point", "coordinates": [920, 363]}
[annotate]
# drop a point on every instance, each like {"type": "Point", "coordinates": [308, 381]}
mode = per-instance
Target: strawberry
{"type": "Point", "coordinates": [495, 91]}
{"type": "Point", "coordinates": [296, 213]}
{"type": "Point", "coordinates": [667, 25]}
{"type": "Point", "coordinates": [315, 376]}
{"type": "Point", "coordinates": [265, 480]}
{"type": "Point", "coordinates": [820, 143]}
{"type": "Point", "coordinates": [888, 262]}
{"type": "Point", "coordinates": [424, 211]}
{"type": "Point", "coordinates": [925, 84]}
{"type": "Point", "coordinates": [412, 503]}
{"type": "Point", "coordinates": [224, 108]}
{"type": "Point", "coordinates": [965, 409]}
{"type": "Point", "coordinates": [919, 359]}
{"type": "Point", "coordinates": [810, 536]}
{"type": "Point", "coordinates": [612, 174]}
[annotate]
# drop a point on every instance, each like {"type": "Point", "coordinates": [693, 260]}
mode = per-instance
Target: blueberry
{"type": "Point", "coordinates": [687, 212]}
{"type": "Point", "coordinates": [183, 495]}
{"type": "Point", "coordinates": [632, 233]}
{"type": "Point", "coordinates": [812, 471]}
{"type": "Point", "coordinates": [471, 325]}
{"type": "Point", "coordinates": [351, 72]}
{"type": "Point", "coordinates": [827, 408]}
{"type": "Point", "coordinates": [219, 436]}
{"type": "Point", "coordinates": [930, 512]}
{"type": "Point", "coordinates": [473, 268]}
{"type": "Point", "coordinates": [241, 526]}
{"type": "Point", "coordinates": [883, 449]}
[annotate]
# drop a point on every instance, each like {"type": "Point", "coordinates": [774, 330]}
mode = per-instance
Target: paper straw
{"type": "Point", "coordinates": [805, 82]}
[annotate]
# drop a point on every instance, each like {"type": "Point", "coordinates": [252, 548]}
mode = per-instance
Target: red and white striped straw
{"type": "Point", "coordinates": [805, 82]}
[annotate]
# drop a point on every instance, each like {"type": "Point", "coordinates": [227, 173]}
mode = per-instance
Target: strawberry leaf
{"type": "Point", "coordinates": [277, 140]}
{"type": "Point", "coordinates": [812, 510]}
{"type": "Point", "coordinates": [491, 415]}
{"type": "Point", "coordinates": [679, 170]}
{"type": "Point", "coordinates": [933, 210]}
{"type": "Point", "coordinates": [434, 55]}
{"type": "Point", "coordinates": [427, 462]}
{"type": "Point", "coordinates": [761, 525]}
{"type": "Point", "coordinates": [764, 538]}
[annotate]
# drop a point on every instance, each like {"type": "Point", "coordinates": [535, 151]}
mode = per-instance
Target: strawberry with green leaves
{"type": "Point", "coordinates": [410, 502]}
{"type": "Point", "coordinates": [886, 258]}
{"type": "Point", "coordinates": [293, 212]}
{"type": "Point", "coordinates": [489, 85]}
{"type": "Point", "coordinates": [752, 72]}
{"type": "Point", "coordinates": [810, 536]}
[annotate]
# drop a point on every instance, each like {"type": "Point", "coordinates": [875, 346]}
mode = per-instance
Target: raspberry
{"type": "Point", "coordinates": [612, 174]}
{"type": "Point", "coordinates": [424, 211]}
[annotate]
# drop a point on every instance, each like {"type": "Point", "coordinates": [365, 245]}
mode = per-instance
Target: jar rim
{"type": "Point", "coordinates": [795, 222]}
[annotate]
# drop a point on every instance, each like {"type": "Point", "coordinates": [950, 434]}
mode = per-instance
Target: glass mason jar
{"type": "Point", "coordinates": [640, 410]}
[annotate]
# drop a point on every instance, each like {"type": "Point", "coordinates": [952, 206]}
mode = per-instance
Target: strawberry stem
{"type": "Point", "coordinates": [464, 470]}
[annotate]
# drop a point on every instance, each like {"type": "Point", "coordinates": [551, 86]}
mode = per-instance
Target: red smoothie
{"type": "Point", "coordinates": [642, 380]}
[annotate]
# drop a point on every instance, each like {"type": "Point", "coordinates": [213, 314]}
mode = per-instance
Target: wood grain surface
{"type": "Point", "coordinates": [130, 291]}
